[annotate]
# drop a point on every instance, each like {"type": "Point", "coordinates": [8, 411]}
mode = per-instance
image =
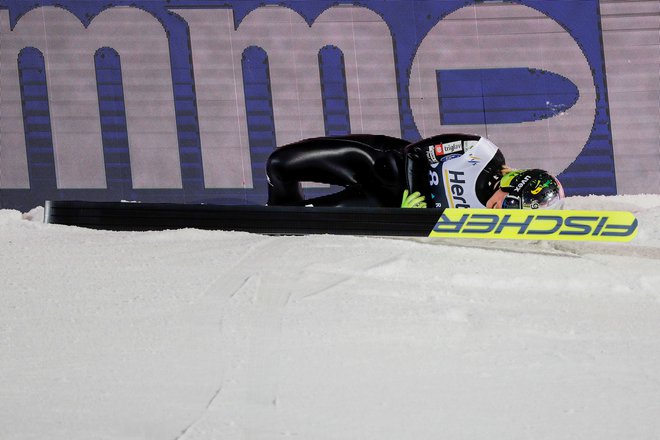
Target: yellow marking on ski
{"type": "Point", "coordinates": [541, 224]}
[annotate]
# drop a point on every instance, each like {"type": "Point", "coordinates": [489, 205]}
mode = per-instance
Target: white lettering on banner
{"type": "Point", "coordinates": [293, 49]}
{"type": "Point", "coordinates": [68, 49]}
{"type": "Point", "coordinates": [551, 144]}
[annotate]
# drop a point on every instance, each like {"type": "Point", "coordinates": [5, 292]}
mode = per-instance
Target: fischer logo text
{"type": "Point", "coordinates": [547, 225]}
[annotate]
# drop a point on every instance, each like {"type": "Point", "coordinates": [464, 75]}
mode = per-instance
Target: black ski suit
{"type": "Point", "coordinates": [373, 169]}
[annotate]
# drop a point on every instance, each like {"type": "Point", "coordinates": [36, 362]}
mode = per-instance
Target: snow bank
{"type": "Point", "coordinates": [218, 335]}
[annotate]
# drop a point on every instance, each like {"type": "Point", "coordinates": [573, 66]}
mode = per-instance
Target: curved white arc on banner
{"type": "Point", "coordinates": [220, 99]}
{"type": "Point", "coordinates": [13, 156]}
{"type": "Point", "coordinates": [72, 95]}
{"type": "Point", "coordinates": [143, 47]}
{"type": "Point", "coordinates": [292, 46]}
{"type": "Point", "coordinates": [507, 36]}
{"type": "Point", "coordinates": [293, 50]}
{"type": "Point", "coordinates": [68, 49]}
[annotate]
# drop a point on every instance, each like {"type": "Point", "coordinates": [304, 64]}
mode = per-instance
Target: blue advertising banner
{"type": "Point", "coordinates": [183, 100]}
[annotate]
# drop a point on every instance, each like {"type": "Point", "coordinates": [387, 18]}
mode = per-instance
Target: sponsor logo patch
{"type": "Point", "coordinates": [448, 148]}
{"type": "Point", "coordinates": [431, 155]}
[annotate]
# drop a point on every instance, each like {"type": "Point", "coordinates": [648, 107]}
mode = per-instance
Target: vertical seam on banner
{"type": "Point", "coordinates": [295, 81]}
{"type": "Point", "coordinates": [481, 79]}
{"type": "Point", "coordinates": [53, 132]}
{"type": "Point", "coordinates": [357, 75]}
{"type": "Point", "coordinates": [238, 111]}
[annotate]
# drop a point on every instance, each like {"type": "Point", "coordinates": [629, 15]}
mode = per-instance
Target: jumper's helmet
{"type": "Point", "coordinates": [531, 189]}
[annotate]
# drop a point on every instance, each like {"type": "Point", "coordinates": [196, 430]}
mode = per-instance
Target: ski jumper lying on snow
{"type": "Point", "coordinates": [443, 171]}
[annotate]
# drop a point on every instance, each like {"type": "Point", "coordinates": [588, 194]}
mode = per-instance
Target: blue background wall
{"type": "Point", "coordinates": [469, 96]}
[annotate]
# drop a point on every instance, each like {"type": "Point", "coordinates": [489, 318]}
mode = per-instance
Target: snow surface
{"type": "Point", "coordinates": [220, 335]}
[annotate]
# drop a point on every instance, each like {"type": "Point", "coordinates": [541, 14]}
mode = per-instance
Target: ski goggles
{"type": "Point", "coordinates": [519, 202]}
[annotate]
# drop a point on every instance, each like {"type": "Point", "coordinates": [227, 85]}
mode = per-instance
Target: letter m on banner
{"type": "Point", "coordinates": [68, 49]}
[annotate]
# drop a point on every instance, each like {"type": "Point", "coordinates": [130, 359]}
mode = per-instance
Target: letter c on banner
{"type": "Point", "coordinates": [494, 38]}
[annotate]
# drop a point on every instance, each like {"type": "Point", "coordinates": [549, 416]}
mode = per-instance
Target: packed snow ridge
{"type": "Point", "coordinates": [202, 335]}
